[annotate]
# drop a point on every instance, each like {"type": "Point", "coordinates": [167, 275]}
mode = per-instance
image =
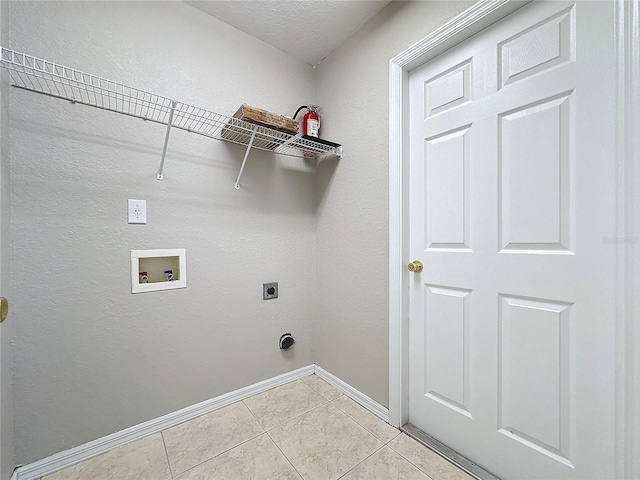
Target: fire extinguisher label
{"type": "Point", "coordinates": [312, 127]}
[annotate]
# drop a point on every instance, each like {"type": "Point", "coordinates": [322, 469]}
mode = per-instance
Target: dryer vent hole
{"type": "Point", "coordinates": [286, 341]}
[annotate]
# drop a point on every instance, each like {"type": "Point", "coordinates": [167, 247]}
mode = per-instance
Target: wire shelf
{"type": "Point", "coordinates": [49, 78]}
{"type": "Point", "coordinates": [56, 80]}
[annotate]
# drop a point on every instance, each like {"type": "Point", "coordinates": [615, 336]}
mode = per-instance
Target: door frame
{"type": "Point", "coordinates": [477, 17]}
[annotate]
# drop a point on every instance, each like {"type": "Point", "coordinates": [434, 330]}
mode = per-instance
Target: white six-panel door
{"type": "Point", "coordinates": [512, 197]}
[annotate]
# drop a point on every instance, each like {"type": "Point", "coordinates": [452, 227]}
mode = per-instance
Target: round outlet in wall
{"type": "Point", "coordinates": [286, 341]}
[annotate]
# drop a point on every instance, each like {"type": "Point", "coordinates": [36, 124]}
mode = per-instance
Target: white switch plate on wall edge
{"type": "Point", "coordinates": [137, 211]}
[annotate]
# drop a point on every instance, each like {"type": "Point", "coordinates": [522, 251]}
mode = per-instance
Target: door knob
{"type": "Point", "coordinates": [4, 308]}
{"type": "Point", "coordinates": [415, 266]}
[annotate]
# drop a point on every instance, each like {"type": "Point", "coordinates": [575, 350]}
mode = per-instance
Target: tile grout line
{"type": "Point", "coordinates": [297, 416]}
{"type": "Point", "coordinates": [266, 430]}
{"type": "Point", "coordinates": [285, 455]}
{"type": "Point", "coordinates": [451, 457]}
{"type": "Point", "coordinates": [340, 394]}
{"type": "Point", "coordinates": [361, 462]}
{"type": "Point", "coordinates": [315, 389]}
{"type": "Point", "coordinates": [223, 452]}
{"type": "Point", "coordinates": [166, 452]}
{"type": "Point", "coordinates": [327, 402]}
{"type": "Point", "coordinates": [274, 442]}
{"type": "Point", "coordinates": [358, 404]}
{"type": "Point", "coordinates": [340, 411]}
{"type": "Point", "coordinates": [352, 418]}
{"type": "Point", "coordinates": [387, 444]}
{"type": "Point", "coordinates": [359, 425]}
{"type": "Point", "coordinates": [412, 463]}
{"type": "Point", "coordinates": [382, 444]}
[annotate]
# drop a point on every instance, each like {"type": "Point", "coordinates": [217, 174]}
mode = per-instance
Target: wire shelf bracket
{"type": "Point", "coordinates": [160, 174]}
{"type": "Point", "coordinates": [49, 78]}
{"type": "Point", "coordinates": [244, 160]}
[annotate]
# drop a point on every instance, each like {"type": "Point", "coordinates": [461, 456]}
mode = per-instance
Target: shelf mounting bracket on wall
{"type": "Point", "coordinates": [160, 175]}
{"type": "Point", "coordinates": [246, 155]}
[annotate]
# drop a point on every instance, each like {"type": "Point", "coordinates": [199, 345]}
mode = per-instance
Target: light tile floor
{"type": "Point", "coordinates": [304, 429]}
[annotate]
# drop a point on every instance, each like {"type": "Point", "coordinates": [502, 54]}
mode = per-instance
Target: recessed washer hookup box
{"type": "Point", "coordinates": [154, 270]}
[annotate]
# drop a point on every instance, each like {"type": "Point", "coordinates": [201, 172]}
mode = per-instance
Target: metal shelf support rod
{"type": "Point", "coordinates": [160, 175]}
{"type": "Point", "coordinates": [246, 155]}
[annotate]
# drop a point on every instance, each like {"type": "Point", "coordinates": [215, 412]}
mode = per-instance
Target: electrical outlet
{"type": "Point", "coordinates": [137, 211]}
{"type": "Point", "coordinates": [269, 290]}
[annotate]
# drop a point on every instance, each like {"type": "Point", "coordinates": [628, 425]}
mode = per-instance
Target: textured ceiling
{"type": "Point", "coordinates": [307, 30]}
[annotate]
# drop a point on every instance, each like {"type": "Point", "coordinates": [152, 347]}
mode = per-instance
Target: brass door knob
{"type": "Point", "coordinates": [415, 266]}
{"type": "Point", "coordinates": [4, 308]}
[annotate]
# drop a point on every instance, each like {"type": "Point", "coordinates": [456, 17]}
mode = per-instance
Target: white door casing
{"type": "Point", "coordinates": [546, 244]}
{"type": "Point", "coordinates": [6, 406]}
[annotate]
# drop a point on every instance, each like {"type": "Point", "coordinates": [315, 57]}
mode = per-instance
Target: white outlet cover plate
{"type": "Point", "coordinates": [137, 211]}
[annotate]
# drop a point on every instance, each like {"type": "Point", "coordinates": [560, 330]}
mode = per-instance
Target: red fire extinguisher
{"type": "Point", "coordinates": [310, 121]}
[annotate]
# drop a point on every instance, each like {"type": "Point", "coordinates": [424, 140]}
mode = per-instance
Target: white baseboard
{"type": "Point", "coordinates": [356, 395]}
{"type": "Point", "coordinates": [91, 449]}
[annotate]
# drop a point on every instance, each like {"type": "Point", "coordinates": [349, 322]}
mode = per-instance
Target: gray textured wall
{"type": "Point", "coordinates": [90, 357]}
{"type": "Point", "coordinates": [6, 329]}
{"type": "Point", "coordinates": [352, 240]}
